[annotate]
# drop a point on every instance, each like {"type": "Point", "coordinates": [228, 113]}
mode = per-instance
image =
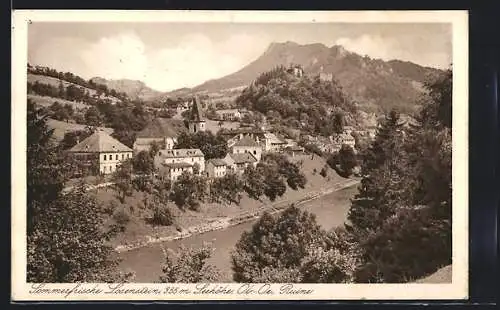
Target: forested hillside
{"type": "Point", "coordinates": [305, 103]}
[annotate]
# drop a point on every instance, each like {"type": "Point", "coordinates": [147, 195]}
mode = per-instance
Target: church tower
{"type": "Point", "coordinates": [196, 120]}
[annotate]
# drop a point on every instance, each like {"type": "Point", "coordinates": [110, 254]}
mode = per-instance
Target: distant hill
{"type": "Point", "coordinates": [134, 89]}
{"type": "Point", "coordinates": [375, 84]}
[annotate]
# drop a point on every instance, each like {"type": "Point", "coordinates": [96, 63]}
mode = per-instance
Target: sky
{"type": "Point", "coordinates": [168, 56]}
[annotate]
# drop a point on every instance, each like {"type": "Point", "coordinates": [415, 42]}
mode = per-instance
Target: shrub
{"type": "Point", "coordinates": [323, 172]}
{"type": "Point", "coordinates": [162, 216]}
{"type": "Point", "coordinates": [121, 217]}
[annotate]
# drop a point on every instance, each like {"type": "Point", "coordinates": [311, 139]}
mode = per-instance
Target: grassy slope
{"type": "Point", "coordinates": [46, 101]}
{"type": "Point", "coordinates": [32, 78]}
{"type": "Point", "coordinates": [442, 275]}
{"type": "Point", "coordinates": [137, 229]}
{"type": "Point", "coordinates": [60, 128]}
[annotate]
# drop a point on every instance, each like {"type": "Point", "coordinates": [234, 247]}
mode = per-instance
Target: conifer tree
{"type": "Point", "coordinates": [368, 210]}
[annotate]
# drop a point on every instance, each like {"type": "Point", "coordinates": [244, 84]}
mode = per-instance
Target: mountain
{"type": "Point", "coordinates": [134, 89]}
{"type": "Point", "coordinates": [373, 83]}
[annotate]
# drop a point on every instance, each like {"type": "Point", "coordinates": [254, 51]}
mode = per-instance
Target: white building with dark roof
{"type": "Point", "coordinates": [273, 143]}
{"type": "Point", "coordinates": [228, 114]}
{"type": "Point", "coordinates": [216, 168]}
{"type": "Point", "coordinates": [173, 171]}
{"type": "Point", "coordinates": [248, 145]}
{"type": "Point", "coordinates": [101, 152]}
{"type": "Point", "coordinates": [237, 163]}
{"type": "Point", "coordinates": [193, 157]}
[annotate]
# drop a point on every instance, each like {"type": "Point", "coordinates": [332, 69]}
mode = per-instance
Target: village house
{"type": "Point", "coordinates": [248, 145]}
{"type": "Point", "coordinates": [172, 171]}
{"type": "Point", "coordinates": [273, 144]}
{"type": "Point", "coordinates": [216, 168]}
{"type": "Point", "coordinates": [295, 150]}
{"type": "Point", "coordinates": [163, 131]}
{"type": "Point", "coordinates": [228, 114]}
{"type": "Point", "coordinates": [237, 163]}
{"type": "Point", "coordinates": [192, 157]}
{"type": "Point", "coordinates": [100, 153]}
{"type": "Point", "coordinates": [196, 119]}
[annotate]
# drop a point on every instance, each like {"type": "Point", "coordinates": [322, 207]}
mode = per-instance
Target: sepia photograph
{"type": "Point", "coordinates": [254, 155]}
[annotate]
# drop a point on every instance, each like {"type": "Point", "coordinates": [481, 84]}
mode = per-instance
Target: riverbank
{"type": "Point", "coordinates": [226, 222]}
{"type": "Point", "coordinates": [331, 211]}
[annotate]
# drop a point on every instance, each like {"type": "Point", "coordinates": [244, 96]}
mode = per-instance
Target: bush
{"type": "Point", "coordinates": [323, 172]}
{"type": "Point", "coordinates": [347, 159]}
{"type": "Point", "coordinates": [162, 216]}
{"type": "Point", "coordinates": [121, 217]}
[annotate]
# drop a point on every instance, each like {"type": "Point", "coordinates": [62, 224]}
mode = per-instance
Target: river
{"type": "Point", "coordinates": [330, 210]}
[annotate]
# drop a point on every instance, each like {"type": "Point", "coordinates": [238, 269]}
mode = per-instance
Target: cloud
{"type": "Point", "coordinates": [389, 48]}
{"type": "Point", "coordinates": [192, 61]}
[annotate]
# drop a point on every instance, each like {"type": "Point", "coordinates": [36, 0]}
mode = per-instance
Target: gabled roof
{"type": "Point", "coordinates": [243, 158]}
{"type": "Point", "coordinates": [175, 153]}
{"type": "Point", "coordinates": [100, 142]}
{"type": "Point", "coordinates": [217, 162]}
{"type": "Point", "coordinates": [246, 141]}
{"type": "Point", "coordinates": [196, 114]}
{"type": "Point", "coordinates": [161, 128]}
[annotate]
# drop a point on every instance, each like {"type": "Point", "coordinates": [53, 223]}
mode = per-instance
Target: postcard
{"type": "Point", "coordinates": [239, 155]}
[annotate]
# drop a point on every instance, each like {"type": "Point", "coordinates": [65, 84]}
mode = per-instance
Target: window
{"type": "Point", "coordinates": [104, 159]}
{"type": "Point", "coordinates": [123, 156]}
{"type": "Point", "coordinates": [116, 157]}
{"type": "Point", "coordinates": [105, 166]}
{"type": "Point", "coordinates": [255, 152]}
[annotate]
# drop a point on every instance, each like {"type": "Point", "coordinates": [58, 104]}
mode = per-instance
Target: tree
{"type": "Point", "coordinates": [46, 169]}
{"type": "Point", "coordinates": [188, 191]}
{"type": "Point", "coordinates": [71, 138]}
{"type": "Point", "coordinates": [347, 159]}
{"type": "Point", "coordinates": [274, 186]}
{"type": "Point", "coordinates": [93, 117]}
{"type": "Point", "coordinates": [404, 203]}
{"type": "Point", "coordinates": [368, 208]}
{"type": "Point", "coordinates": [125, 136]}
{"type": "Point", "coordinates": [338, 123]}
{"type": "Point", "coordinates": [253, 181]}
{"type": "Point", "coordinates": [275, 242]}
{"type": "Point", "coordinates": [122, 178]}
{"type": "Point", "coordinates": [278, 163]}
{"type": "Point", "coordinates": [212, 146]}
{"type": "Point", "coordinates": [228, 188]}
{"type": "Point", "coordinates": [395, 253]}
{"type": "Point", "coordinates": [68, 243]}
{"type": "Point", "coordinates": [189, 266]}
{"type": "Point", "coordinates": [143, 163]}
